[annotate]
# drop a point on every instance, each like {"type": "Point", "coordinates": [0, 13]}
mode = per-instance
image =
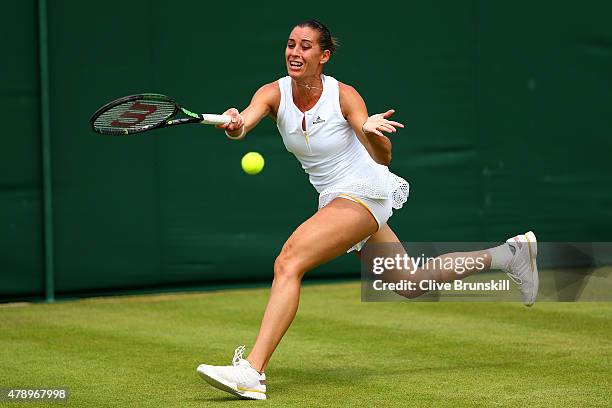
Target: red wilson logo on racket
{"type": "Point", "coordinates": [138, 112]}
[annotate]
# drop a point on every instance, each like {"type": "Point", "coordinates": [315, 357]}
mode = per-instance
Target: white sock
{"type": "Point", "coordinates": [501, 256]}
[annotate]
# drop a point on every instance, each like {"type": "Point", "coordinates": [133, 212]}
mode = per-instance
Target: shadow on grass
{"type": "Point", "coordinates": [361, 374]}
{"type": "Point", "coordinates": [218, 398]}
{"type": "Point", "coordinates": [293, 379]}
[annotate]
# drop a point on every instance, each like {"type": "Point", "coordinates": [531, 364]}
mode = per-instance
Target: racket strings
{"type": "Point", "coordinates": [132, 116]}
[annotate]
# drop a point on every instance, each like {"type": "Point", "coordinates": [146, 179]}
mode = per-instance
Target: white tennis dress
{"type": "Point", "coordinates": [332, 155]}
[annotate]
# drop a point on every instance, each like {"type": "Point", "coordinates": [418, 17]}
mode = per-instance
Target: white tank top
{"type": "Point", "coordinates": [330, 152]}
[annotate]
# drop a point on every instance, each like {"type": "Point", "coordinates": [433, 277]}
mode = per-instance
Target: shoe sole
{"type": "Point", "coordinates": [532, 245]}
{"type": "Point", "coordinates": [223, 386]}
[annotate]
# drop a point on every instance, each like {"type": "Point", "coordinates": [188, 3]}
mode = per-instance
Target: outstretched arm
{"type": "Point", "coordinates": [263, 103]}
{"type": "Point", "coordinates": [368, 129]}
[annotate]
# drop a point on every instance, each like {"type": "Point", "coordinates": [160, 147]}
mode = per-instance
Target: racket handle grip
{"type": "Point", "coordinates": [210, 119]}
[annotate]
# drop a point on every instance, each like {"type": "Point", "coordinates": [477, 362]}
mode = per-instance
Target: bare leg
{"type": "Point", "coordinates": [436, 270]}
{"type": "Point", "coordinates": [324, 236]}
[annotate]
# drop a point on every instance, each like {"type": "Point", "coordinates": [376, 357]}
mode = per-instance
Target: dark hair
{"type": "Point", "coordinates": [326, 41]}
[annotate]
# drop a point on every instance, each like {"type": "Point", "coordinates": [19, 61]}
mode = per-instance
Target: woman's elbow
{"type": "Point", "coordinates": [386, 160]}
{"type": "Point", "coordinates": [384, 157]}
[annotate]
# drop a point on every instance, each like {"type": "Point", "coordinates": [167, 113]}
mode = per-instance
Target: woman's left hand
{"type": "Point", "coordinates": [378, 123]}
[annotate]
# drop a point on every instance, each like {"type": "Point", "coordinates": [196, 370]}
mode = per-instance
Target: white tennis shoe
{"type": "Point", "coordinates": [523, 267]}
{"type": "Point", "coordinates": [239, 379]}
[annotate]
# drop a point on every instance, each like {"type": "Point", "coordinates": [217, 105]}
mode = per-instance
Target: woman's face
{"type": "Point", "coordinates": [303, 54]}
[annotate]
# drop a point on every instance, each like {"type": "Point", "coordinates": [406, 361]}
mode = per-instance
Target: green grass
{"type": "Point", "coordinates": [143, 351]}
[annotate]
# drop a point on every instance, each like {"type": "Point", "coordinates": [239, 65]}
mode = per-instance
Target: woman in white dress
{"type": "Point", "coordinates": [325, 124]}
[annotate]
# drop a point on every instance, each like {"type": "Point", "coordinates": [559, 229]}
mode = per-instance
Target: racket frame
{"type": "Point", "coordinates": [170, 121]}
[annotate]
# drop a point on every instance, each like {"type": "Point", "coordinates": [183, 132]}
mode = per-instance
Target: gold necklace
{"type": "Point", "coordinates": [310, 87]}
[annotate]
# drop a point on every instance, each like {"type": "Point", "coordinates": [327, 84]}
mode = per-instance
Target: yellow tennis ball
{"type": "Point", "coordinates": [252, 163]}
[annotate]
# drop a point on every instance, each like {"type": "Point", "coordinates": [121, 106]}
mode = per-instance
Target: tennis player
{"type": "Point", "coordinates": [325, 124]}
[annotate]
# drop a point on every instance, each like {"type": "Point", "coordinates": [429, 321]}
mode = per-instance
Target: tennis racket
{"type": "Point", "coordinates": [143, 112]}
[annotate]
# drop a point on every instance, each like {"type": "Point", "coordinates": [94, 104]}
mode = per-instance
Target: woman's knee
{"type": "Point", "coordinates": [411, 281]}
{"type": "Point", "coordinates": [410, 294]}
{"type": "Point", "coordinates": [287, 266]}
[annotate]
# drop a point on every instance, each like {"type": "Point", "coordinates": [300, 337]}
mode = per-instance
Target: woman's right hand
{"type": "Point", "coordinates": [236, 122]}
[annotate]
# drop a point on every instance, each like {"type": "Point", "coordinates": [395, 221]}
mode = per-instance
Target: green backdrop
{"type": "Point", "coordinates": [508, 107]}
